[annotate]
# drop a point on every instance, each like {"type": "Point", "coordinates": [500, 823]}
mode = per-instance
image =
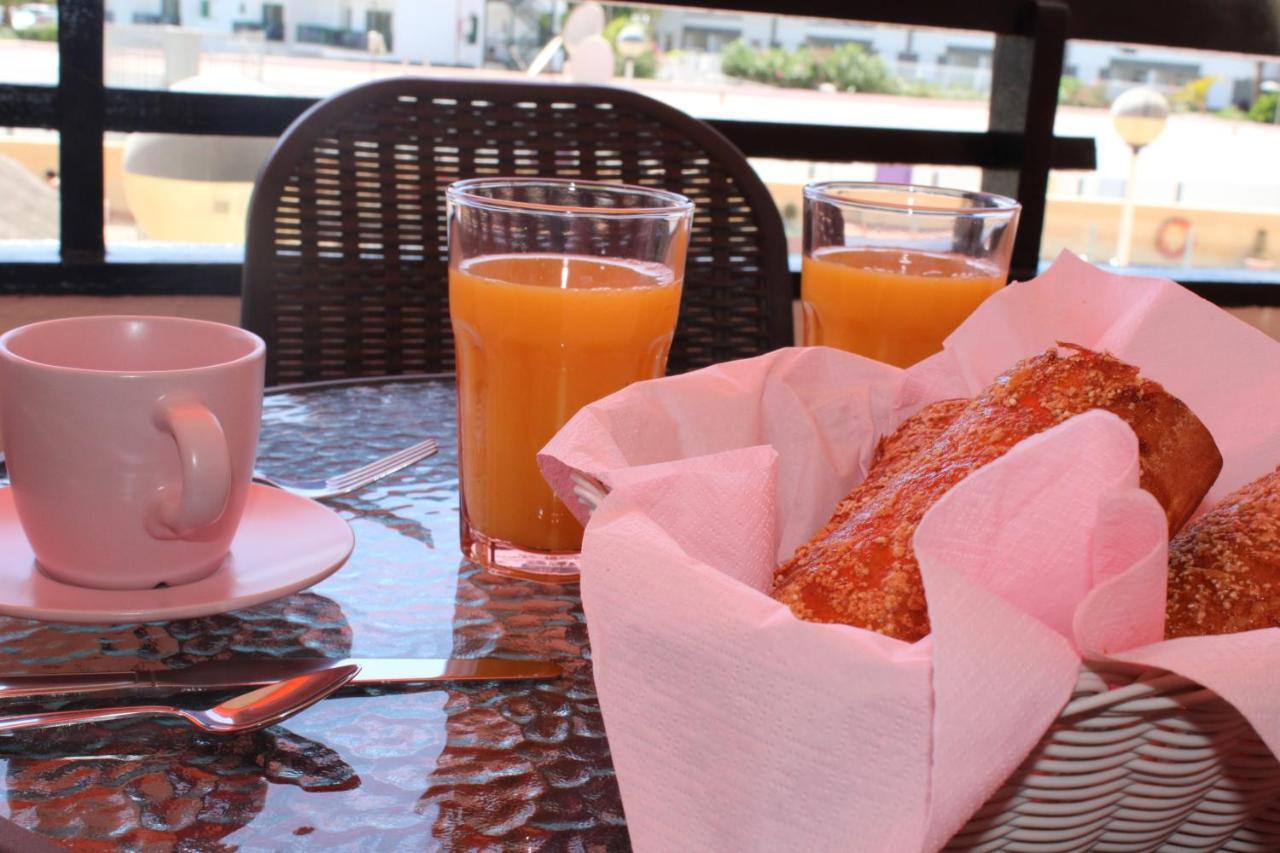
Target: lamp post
{"type": "Point", "coordinates": [1139, 115]}
{"type": "Point", "coordinates": [631, 44]}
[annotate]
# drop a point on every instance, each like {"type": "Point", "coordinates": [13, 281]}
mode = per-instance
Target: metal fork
{"type": "Point", "coordinates": [341, 484]}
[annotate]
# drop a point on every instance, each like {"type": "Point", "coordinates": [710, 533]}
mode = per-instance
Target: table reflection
{"type": "Point", "coordinates": [484, 765]}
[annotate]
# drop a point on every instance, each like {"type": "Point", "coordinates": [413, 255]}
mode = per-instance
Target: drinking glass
{"type": "Point", "coordinates": [560, 292]}
{"type": "Point", "coordinates": [889, 270]}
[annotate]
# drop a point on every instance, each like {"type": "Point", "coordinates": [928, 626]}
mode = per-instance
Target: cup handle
{"type": "Point", "coordinates": [201, 498]}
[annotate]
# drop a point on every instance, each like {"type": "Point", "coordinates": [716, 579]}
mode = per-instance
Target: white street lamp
{"type": "Point", "coordinates": [631, 43]}
{"type": "Point", "coordinates": [1139, 116]}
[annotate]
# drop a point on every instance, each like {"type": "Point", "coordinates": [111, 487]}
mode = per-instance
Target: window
{"type": "Point", "coordinates": [1151, 72]}
{"type": "Point", "coordinates": [828, 43]}
{"type": "Point", "coordinates": [273, 21]}
{"type": "Point", "coordinates": [379, 23]}
{"type": "Point", "coordinates": [898, 99]}
{"type": "Point", "coordinates": [709, 39]}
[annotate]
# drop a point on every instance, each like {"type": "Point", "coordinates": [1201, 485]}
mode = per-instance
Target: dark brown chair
{"type": "Point", "coordinates": [345, 259]}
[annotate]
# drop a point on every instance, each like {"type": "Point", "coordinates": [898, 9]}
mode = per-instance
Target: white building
{"type": "Point", "coordinates": [454, 32]}
{"type": "Point", "coordinates": [435, 32]}
{"type": "Point", "coordinates": [961, 59]}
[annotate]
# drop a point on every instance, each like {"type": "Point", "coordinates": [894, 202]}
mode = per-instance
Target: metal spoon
{"type": "Point", "coordinates": [246, 712]}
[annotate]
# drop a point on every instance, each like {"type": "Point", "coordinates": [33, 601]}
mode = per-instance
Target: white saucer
{"type": "Point", "coordinates": [284, 543]}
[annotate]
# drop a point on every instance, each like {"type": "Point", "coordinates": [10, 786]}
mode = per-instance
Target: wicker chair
{"type": "Point", "coordinates": [345, 260]}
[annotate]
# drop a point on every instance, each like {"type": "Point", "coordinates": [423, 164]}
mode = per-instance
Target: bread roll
{"type": "Point", "coordinates": [894, 452]}
{"type": "Point", "coordinates": [861, 568]}
{"type": "Point", "coordinates": [1224, 568]}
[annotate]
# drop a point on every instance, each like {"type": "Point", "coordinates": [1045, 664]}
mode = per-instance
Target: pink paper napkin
{"type": "Point", "coordinates": [733, 724]}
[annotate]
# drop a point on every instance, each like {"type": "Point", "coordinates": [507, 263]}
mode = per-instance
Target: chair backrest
{"type": "Point", "coordinates": [346, 255]}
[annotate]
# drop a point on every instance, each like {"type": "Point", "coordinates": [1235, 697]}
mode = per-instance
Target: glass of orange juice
{"type": "Point", "coordinates": [889, 270]}
{"type": "Point", "coordinates": [560, 292]}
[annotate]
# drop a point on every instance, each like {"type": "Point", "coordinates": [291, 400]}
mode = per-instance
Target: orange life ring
{"type": "Point", "coordinates": [1175, 227]}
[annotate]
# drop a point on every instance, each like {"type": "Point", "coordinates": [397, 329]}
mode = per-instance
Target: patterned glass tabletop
{"type": "Point", "coordinates": [479, 766]}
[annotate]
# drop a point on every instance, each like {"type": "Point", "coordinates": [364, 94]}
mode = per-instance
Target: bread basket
{"type": "Point", "coordinates": [1137, 760]}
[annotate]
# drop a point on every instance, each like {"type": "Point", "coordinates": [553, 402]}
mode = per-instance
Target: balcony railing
{"type": "Point", "coordinates": [1016, 153]}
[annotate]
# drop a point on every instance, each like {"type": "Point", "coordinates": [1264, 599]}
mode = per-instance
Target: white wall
{"type": "Point", "coordinates": [434, 32]}
{"type": "Point", "coordinates": [470, 12]}
{"type": "Point", "coordinates": [322, 13]}
{"type": "Point", "coordinates": [931, 45]}
{"type": "Point", "coordinates": [223, 14]}
{"type": "Point", "coordinates": [122, 11]}
{"type": "Point", "coordinates": [189, 15]}
{"type": "Point", "coordinates": [420, 30]}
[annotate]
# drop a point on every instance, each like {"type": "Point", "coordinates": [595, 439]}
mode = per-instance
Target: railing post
{"type": "Point", "coordinates": [1024, 99]}
{"type": "Point", "coordinates": [81, 117]}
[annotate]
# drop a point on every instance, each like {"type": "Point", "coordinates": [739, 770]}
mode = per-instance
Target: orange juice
{"type": "Point", "coordinates": [538, 337]}
{"type": "Point", "coordinates": [893, 305]}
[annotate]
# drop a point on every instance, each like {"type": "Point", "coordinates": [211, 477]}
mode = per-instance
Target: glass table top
{"type": "Point", "coordinates": [478, 766]}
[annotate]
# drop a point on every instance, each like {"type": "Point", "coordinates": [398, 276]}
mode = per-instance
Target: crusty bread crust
{"type": "Point", "coordinates": [861, 568]}
{"type": "Point", "coordinates": [896, 450]}
{"type": "Point", "coordinates": [894, 453]}
{"type": "Point", "coordinates": [1224, 569]}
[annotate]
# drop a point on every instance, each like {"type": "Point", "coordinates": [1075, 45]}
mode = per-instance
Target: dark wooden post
{"type": "Point", "coordinates": [1024, 99]}
{"type": "Point", "coordinates": [81, 122]}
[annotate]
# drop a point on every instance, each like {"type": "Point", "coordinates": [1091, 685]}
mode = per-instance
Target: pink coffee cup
{"type": "Point", "coordinates": [130, 443]}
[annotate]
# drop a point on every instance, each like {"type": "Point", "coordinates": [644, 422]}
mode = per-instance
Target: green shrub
{"type": "Point", "coordinates": [851, 69]}
{"type": "Point", "coordinates": [1264, 109]}
{"type": "Point", "coordinates": [929, 89]}
{"type": "Point", "coordinates": [798, 70]}
{"type": "Point", "coordinates": [614, 27]}
{"type": "Point", "coordinates": [1072, 91]}
{"type": "Point", "coordinates": [848, 68]}
{"type": "Point", "coordinates": [44, 32]}
{"type": "Point", "coordinates": [1068, 86]}
{"type": "Point", "coordinates": [738, 60]}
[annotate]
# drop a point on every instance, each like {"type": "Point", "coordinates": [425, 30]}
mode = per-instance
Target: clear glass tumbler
{"type": "Point", "coordinates": [560, 292]}
{"type": "Point", "coordinates": [889, 270]}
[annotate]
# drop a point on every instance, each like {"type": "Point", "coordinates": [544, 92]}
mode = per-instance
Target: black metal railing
{"type": "Point", "coordinates": [1016, 153]}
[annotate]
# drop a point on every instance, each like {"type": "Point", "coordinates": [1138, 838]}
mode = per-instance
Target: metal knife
{"type": "Point", "coordinates": [233, 674]}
